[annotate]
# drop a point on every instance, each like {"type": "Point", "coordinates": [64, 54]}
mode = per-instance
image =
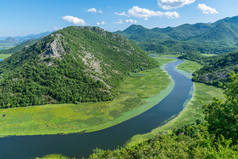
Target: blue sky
{"type": "Point", "coordinates": [22, 17]}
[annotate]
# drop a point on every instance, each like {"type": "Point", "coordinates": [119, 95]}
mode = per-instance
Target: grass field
{"type": "Point", "coordinates": [189, 66]}
{"type": "Point", "coordinates": [203, 94]}
{"type": "Point", "coordinates": [54, 156]}
{"type": "Point", "coordinates": [168, 55]}
{"type": "Point", "coordinates": [137, 94]}
{"type": "Point", "coordinates": [209, 55]}
{"type": "Point", "coordinates": [4, 56]}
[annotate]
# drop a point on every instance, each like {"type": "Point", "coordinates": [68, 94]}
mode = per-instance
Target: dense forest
{"type": "Point", "coordinates": [216, 69]}
{"type": "Point", "coordinates": [216, 137]}
{"type": "Point", "coordinates": [76, 64]}
{"type": "Point", "coordinates": [199, 58]}
{"type": "Point", "coordinates": [218, 37]}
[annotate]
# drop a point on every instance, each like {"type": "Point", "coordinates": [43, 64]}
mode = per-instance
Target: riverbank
{"type": "Point", "coordinates": [138, 93]}
{"type": "Point", "coordinates": [193, 109]}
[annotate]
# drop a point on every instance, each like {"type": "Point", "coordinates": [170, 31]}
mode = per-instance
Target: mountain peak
{"type": "Point", "coordinates": [135, 27]}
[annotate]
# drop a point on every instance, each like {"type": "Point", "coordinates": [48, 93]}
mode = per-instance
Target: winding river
{"type": "Point", "coordinates": [26, 147]}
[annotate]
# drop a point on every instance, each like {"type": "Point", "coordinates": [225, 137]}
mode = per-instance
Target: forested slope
{"type": "Point", "coordinates": [216, 70]}
{"type": "Point", "coordinates": [76, 64]}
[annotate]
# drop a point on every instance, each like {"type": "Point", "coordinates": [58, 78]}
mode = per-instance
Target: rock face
{"type": "Point", "coordinates": [76, 64]}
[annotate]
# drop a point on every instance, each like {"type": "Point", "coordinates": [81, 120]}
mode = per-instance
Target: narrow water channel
{"type": "Point", "coordinates": [78, 145]}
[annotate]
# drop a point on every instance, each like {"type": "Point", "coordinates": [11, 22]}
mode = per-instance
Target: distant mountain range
{"type": "Point", "coordinates": [19, 39]}
{"type": "Point", "coordinates": [218, 37]}
{"type": "Point", "coordinates": [18, 47]}
{"type": "Point", "coordinates": [76, 64]}
{"type": "Point", "coordinates": [9, 42]}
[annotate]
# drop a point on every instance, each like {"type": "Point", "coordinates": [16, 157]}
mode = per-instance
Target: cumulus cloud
{"type": "Point", "coordinates": [101, 23]}
{"type": "Point", "coordinates": [121, 13]}
{"type": "Point", "coordinates": [206, 9]}
{"type": "Point", "coordinates": [172, 4]}
{"type": "Point", "coordinates": [94, 10]}
{"type": "Point", "coordinates": [132, 21]}
{"type": "Point", "coordinates": [146, 13]}
{"type": "Point", "coordinates": [74, 20]}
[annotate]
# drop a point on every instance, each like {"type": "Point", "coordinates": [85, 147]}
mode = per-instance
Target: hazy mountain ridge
{"type": "Point", "coordinates": [8, 44]}
{"type": "Point", "coordinates": [19, 47]}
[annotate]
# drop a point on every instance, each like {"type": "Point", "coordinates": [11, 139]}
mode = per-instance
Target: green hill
{"type": "Point", "coordinates": [218, 37]}
{"type": "Point", "coordinates": [76, 64]}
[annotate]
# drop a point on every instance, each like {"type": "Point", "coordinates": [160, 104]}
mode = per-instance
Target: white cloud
{"type": "Point", "coordinates": [75, 20]}
{"type": "Point", "coordinates": [132, 21]}
{"type": "Point", "coordinates": [121, 13]}
{"type": "Point", "coordinates": [146, 13]}
{"type": "Point", "coordinates": [119, 22]}
{"type": "Point", "coordinates": [206, 9]}
{"type": "Point", "coordinates": [94, 10]}
{"type": "Point", "coordinates": [172, 4]}
{"type": "Point", "coordinates": [101, 23]}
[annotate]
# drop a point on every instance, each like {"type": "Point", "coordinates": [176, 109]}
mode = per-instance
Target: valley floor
{"type": "Point", "coordinates": [138, 93]}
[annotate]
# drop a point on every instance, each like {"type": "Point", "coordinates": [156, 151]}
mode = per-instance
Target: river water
{"type": "Point", "coordinates": [78, 145]}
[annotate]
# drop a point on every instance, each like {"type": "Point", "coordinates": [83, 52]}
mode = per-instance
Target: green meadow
{"type": "Point", "coordinates": [54, 156]}
{"type": "Point", "coordinates": [4, 56]}
{"type": "Point", "coordinates": [189, 66]}
{"type": "Point", "coordinates": [138, 93]}
{"type": "Point", "coordinates": [209, 55]}
{"type": "Point", "coordinates": [193, 109]}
